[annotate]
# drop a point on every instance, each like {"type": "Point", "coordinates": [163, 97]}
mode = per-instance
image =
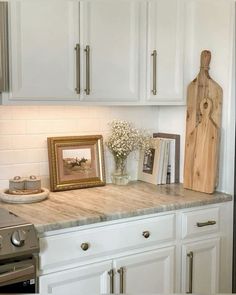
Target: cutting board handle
{"type": "Point", "coordinates": [205, 59]}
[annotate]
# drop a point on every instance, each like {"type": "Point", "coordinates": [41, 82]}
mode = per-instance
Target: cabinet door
{"type": "Point", "coordinates": [43, 34]}
{"type": "Point", "coordinates": [113, 30]}
{"type": "Point", "coordinates": [150, 272]}
{"type": "Point", "coordinates": [91, 279]}
{"type": "Point", "coordinates": [200, 267]}
{"type": "Point", "coordinates": [165, 51]}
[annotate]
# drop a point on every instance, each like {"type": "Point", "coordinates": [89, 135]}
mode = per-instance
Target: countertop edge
{"type": "Point", "coordinates": [129, 214]}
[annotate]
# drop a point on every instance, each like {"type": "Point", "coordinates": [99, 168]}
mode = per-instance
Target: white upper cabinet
{"type": "Point", "coordinates": [113, 32]}
{"type": "Point", "coordinates": [127, 51]}
{"type": "Point", "coordinates": [165, 52]}
{"type": "Point", "coordinates": [43, 35]}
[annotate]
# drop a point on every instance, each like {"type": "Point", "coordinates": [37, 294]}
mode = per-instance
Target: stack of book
{"type": "Point", "coordinates": [161, 165]}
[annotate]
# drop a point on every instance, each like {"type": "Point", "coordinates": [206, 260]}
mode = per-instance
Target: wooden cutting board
{"type": "Point", "coordinates": [201, 149]}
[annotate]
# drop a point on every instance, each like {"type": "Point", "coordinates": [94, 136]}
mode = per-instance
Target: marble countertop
{"type": "Point", "coordinates": [86, 206]}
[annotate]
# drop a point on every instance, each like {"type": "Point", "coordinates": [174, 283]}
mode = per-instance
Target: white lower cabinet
{"type": "Point", "coordinates": [150, 272]}
{"type": "Point", "coordinates": [123, 275]}
{"type": "Point", "coordinates": [92, 279]}
{"type": "Point", "coordinates": [200, 267]}
{"type": "Point", "coordinates": [183, 251]}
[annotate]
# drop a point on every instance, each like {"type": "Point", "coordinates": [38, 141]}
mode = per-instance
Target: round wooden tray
{"type": "Point", "coordinates": [24, 199]}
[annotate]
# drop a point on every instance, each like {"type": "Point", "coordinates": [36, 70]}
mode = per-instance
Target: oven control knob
{"type": "Point", "coordinates": [18, 238]}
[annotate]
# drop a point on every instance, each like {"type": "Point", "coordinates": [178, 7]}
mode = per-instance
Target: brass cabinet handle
{"type": "Point", "coordinates": [146, 234]}
{"type": "Point", "coordinates": [154, 77]}
{"type": "Point", "coordinates": [84, 246]}
{"type": "Point", "coordinates": [190, 284]}
{"type": "Point", "coordinates": [209, 222]}
{"type": "Point", "coordinates": [87, 52]}
{"type": "Point", "coordinates": [4, 51]}
{"type": "Point", "coordinates": [121, 272]}
{"type": "Point", "coordinates": [111, 274]}
{"type": "Point", "coordinates": [77, 50]}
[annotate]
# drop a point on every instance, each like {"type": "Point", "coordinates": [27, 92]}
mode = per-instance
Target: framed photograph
{"type": "Point", "coordinates": [149, 163]}
{"type": "Point", "coordinates": [176, 152]}
{"type": "Point", "coordinates": [76, 162]}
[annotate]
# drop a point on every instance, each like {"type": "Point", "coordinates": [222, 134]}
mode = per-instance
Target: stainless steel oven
{"type": "Point", "coordinates": [19, 247]}
{"type": "Point", "coordinates": [19, 276]}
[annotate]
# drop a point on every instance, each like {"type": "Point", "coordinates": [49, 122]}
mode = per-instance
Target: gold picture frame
{"type": "Point", "coordinates": [76, 162]}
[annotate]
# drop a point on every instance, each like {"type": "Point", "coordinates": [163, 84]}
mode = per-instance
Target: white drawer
{"type": "Point", "coordinates": [66, 248]}
{"type": "Point", "coordinates": [199, 222]}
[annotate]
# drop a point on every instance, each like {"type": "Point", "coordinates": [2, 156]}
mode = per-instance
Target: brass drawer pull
{"type": "Point", "coordinates": [121, 272]}
{"type": "Point", "coordinates": [190, 287]}
{"type": "Point", "coordinates": [77, 50]}
{"type": "Point", "coordinates": [87, 52]}
{"type": "Point", "coordinates": [209, 222]}
{"type": "Point", "coordinates": [84, 246]}
{"type": "Point", "coordinates": [154, 78]}
{"type": "Point", "coordinates": [146, 234]}
{"type": "Point", "coordinates": [111, 274]}
{"type": "Point", "coordinates": [4, 51]}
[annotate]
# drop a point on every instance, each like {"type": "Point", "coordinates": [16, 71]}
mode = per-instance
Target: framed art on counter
{"type": "Point", "coordinates": [149, 163]}
{"type": "Point", "coordinates": [76, 162]}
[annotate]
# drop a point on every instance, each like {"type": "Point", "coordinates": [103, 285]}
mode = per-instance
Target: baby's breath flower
{"type": "Point", "coordinates": [125, 138]}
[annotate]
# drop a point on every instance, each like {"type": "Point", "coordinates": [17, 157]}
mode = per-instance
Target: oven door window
{"type": "Point", "coordinates": [17, 277]}
{"type": "Point", "coordinates": [21, 287]}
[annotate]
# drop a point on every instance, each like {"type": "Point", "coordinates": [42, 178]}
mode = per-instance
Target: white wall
{"type": "Point", "coordinates": [24, 131]}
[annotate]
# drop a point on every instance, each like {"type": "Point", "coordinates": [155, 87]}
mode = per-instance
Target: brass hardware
{"type": "Point", "coordinates": [121, 272]}
{"type": "Point", "coordinates": [190, 284]}
{"type": "Point", "coordinates": [87, 52]}
{"type": "Point", "coordinates": [4, 51]}
{"type": "Point", "coordinates": [209, 222]}
{"type": "Point", "coordinates": [84, 246]}
{"type": "Point", "coordinates": [77, 49]}
{"type": "Point", "coordinates": [111, 274]}
{"type": "Point", "coordinates": [146, 234]}
{"type": "Point", "coordinates": [154, 77]}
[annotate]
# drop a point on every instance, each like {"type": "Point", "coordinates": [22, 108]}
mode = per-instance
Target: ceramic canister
{"type": "Point", "coordinates": [17, 183]}
{"type": "Point", "coordinates": [33, 183]}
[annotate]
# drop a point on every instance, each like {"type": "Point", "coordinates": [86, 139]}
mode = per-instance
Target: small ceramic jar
{"type": "Point", "coordinates": [15, 184]}
{"type": "Point", "coordinates": [33, 183]}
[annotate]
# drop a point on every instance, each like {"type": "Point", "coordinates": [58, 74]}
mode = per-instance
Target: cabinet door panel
{"type": "Point", "coordinates": [165, 35]}
{"type": "Point", "coordinates": [112, 29]}
{"type": "Point", "coordinates": [91, 279]}
{"type": "Point", "coordinates": [150, 272]}
{"type": "Point", "coordinates": [205, 267]}
{"type": "Point", "coordinates": [43, 34]}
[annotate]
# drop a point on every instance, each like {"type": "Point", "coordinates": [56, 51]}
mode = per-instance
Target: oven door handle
{"type": "Point", "coordinates": [14, 274]}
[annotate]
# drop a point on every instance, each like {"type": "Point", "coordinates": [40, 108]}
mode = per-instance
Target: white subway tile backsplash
{"type": "Point", "coordinates": [23, 156]}
{"type": "Point", "coordinates": [28, 141]}
{"type": "Point", "coordinates": [9, 171]}
{"type": "Point", "coordinates": [24, 132]}
{"type": "Point", "coordinates": [12, 127]}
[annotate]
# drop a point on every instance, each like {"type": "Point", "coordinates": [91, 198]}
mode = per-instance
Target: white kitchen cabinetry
{"type": "Point", "coordinates": [87, 51]}
{"type": "Point", "coordinates": [113, 31]}
{"type": "Point", "coordinates": [150, 272]}
{"type": "Point", "coordinates": [165, 51]}
{"type": "Point", "coordinates": [172, 252]}
{"type": "Point", "coordinates": [92, 279]}
{"type": "Point", "coordinates": [123, 275]}
{"type": "Point", "coordinates": [112, 63]}
{"type": "Point", "coordinates": [200, 267]}
{"type": "Point", "coordinates": [42, 36]}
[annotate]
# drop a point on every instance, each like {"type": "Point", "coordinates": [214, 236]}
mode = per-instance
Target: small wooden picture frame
{"type": "Point", "coordinates": [177, 150]}
{"type": "Point", "coordinates": [76, 162]}
{"type": "Point", "coordinates": [148, 163]}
